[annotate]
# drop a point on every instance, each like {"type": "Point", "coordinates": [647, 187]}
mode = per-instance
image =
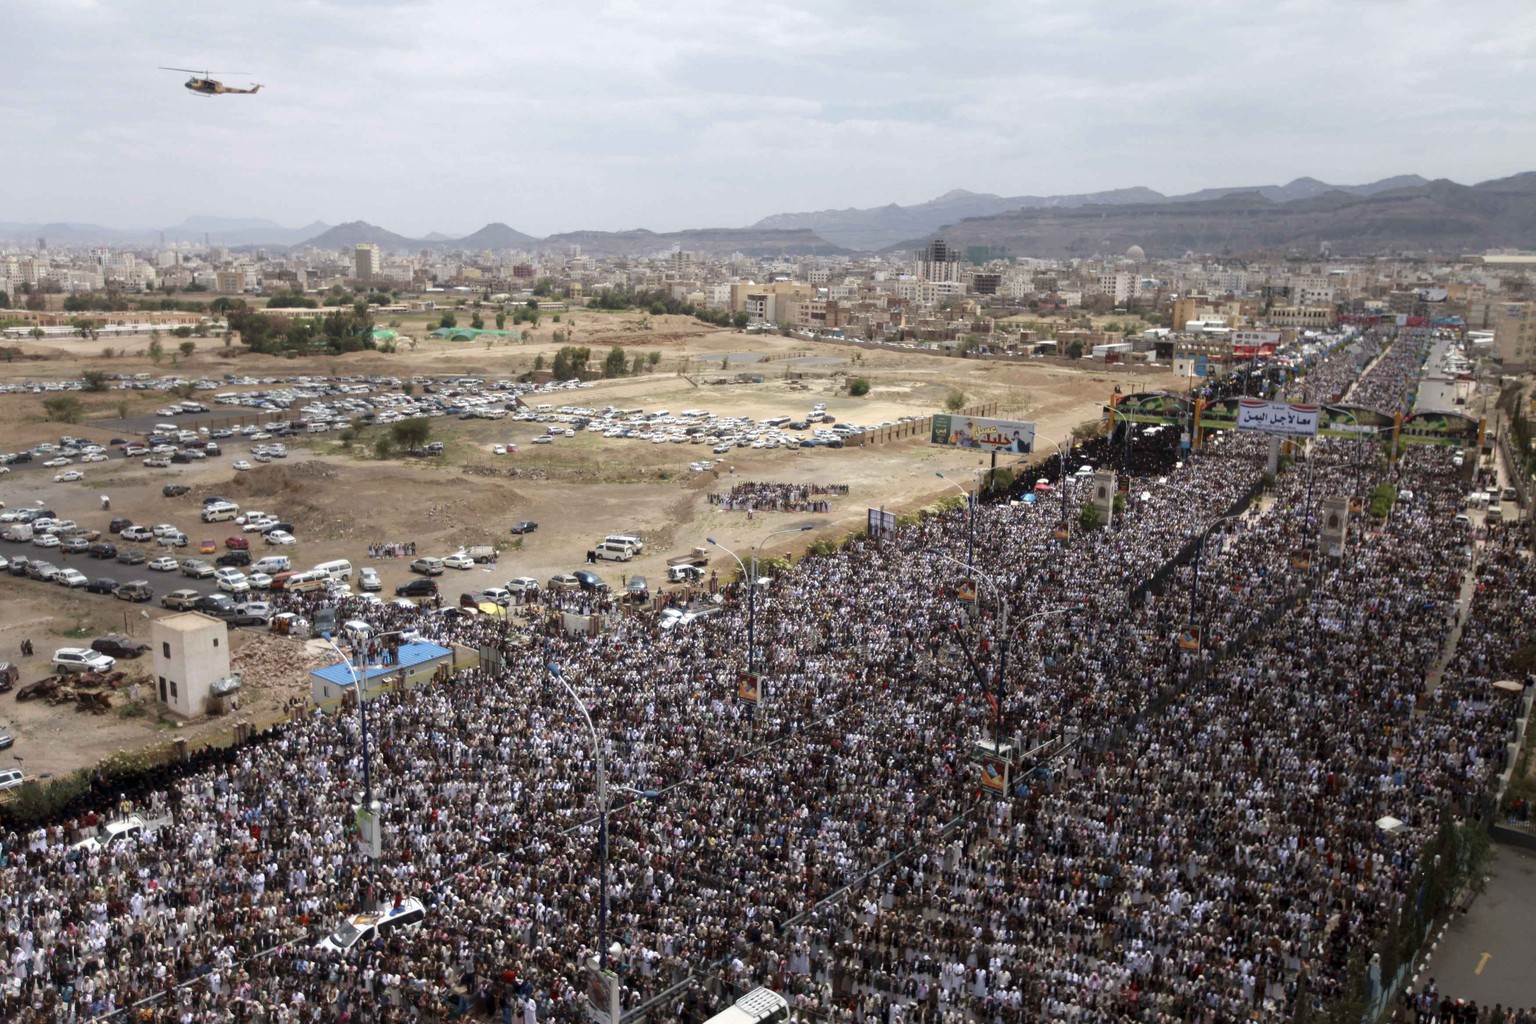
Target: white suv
{"type": "Point", "coordinates": [362, 929]}
{"type": "Point", "coordinates": [80, 659]}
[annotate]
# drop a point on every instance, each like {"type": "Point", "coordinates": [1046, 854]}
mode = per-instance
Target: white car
{"type": "Point", "coordinates": [543, 439]}
{"type": "Point", "coordinates": [236, 584]}
{"type": "Point", "coordinates": [258, 581]}
{"type": "Point", "coordinates": [165, 563]}
{"type": "Point", "coordinates": [46, 540]}
{"type": "Point", "coordinates": [93, 457]}
{"type": "Point", "coordinates": [498, 449]}
{"type": "Point", "coordinates": [56, 463]}
{"type": "Point", "coordinates": [280, 537]}
{"type": "Point", "coordinates": [368, 579]}
{"type": "Point", "coordinates": [71, 578]}
{"type": "Point", "coordinates": [68, 476]}
{"type": "Point", "coordinates": [241, 464]}
{"type": "Point", "coordinates": [363, 929]}
{"type": "Point", "coordinates": [523, 585]}
{"type": "Point", "coordinates": [81, 659]}
{"type": "Point", "coordinates": [262, 457]}
{"type": "Point", "coordinates": [459, 560]}
{"type": "Point", "coordinates": [164, 530]}
{"type": "Point", "coordinates": [137, 533]}
{"type": "Point", "coordinates": [254, 524]}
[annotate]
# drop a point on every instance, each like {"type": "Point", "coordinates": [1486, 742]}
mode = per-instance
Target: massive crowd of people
{"type": "Point", "coordinates": [768, 496]}
{"type": "Point", "coordinates": [1199, 845]}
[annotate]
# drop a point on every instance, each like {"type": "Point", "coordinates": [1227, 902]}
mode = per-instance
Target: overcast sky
{"type": "Point", "coordinates": [420, 115]}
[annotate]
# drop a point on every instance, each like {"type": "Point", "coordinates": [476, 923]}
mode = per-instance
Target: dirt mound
{"type": "Point", "coordinates": [277, 666]}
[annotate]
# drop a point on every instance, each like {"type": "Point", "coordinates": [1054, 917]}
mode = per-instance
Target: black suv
{"type": "Point", "coordinates": [175, 490]}
{"type": "Point", "coordinates": [100, 550]}
{"type": "Point", "coordinates": [118, 646]}
{"type": "Point", "coordinates": [589, 580]}
{"type": "Point", "coordinates": [119, 525]}
{"type": "Point", "coordinates": [233, 558]}
{"type": "Point", "coordinates": [423, 587]}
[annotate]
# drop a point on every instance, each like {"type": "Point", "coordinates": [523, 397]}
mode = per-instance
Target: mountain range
{"type": "Point", "coordinates": [1400, 213]}
{"type": "Point", "coordinates": [883, 226]}
{"type": "Point", "coordinates": [1440, 216]}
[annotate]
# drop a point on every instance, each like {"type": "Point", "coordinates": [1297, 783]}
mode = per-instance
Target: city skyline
{"type": "Point", "coordinates": [427, 117]}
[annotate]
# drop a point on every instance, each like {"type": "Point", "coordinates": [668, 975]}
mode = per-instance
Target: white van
{"type": "Point", "coordinates": [615, 552]}
{"type": "Point", "coordinates": [625, 539]}
{"type": "Point", "coordinates": [340, 569]}
{"type": "Point", "coordinates": [220, 512]}
{"type": "Point", "coordinates": [272, 564]}
{"type": "Point", "coordinates": [302, 582]}
{"type": "Point", "coordinates": [760, 1006]}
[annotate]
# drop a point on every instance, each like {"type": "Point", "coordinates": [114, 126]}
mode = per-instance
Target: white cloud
{"type": "Point", "coordinates": [674, 113]}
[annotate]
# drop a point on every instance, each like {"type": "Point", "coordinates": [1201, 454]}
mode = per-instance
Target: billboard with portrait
{"type": "Point", "coordinates": [983, 433]}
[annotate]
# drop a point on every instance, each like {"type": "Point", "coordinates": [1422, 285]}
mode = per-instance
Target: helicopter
{"type": "Point", "coordinates": [206, 85]}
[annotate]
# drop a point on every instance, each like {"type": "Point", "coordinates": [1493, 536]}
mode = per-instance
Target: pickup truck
{"type": "Point", "coordinates": [481, 552]}
{"type": "Point", "coordinates": [698, 557]}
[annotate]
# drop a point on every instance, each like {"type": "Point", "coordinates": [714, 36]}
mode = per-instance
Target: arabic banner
{"type": "Point", "coordinates": [994, 775]}
{"type": "Point", "coordinates": [1219, 415]}
{"type": "Point", "coordinates": [1153, 407]}
{"type": "Point", "coordinates": [1447, 428]}
{"type": "Point", "coordinates": [984, 433]}
{"type": "Point", "coordinates": [1353, 420]}
{"type": "Point", "coordinates": [747, 688]}
{"type": "Point", "coordinates": [1288, 418]}
{"type": "Point", "coordinates": [1189, 638]}
{"type": "Point", "coordinates": [965, 590]}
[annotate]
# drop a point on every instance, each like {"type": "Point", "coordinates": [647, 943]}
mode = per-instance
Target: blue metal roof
{"type": "Point", "coordinates": [410, 655]}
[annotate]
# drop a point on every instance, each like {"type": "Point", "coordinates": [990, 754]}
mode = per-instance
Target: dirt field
{"type": "Point", "coordinates": [578, 489]}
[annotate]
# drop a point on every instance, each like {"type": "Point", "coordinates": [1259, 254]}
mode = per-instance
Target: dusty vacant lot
{"type": "Point", "coordinates": [578, 489]}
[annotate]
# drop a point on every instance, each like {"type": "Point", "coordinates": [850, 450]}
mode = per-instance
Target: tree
{"type": "Point", "coordinates": [613, 366]}
{"type": "Point", "coordinates": [538, 361]}
{"type": "Point", "coordinates": [1074, 349]}
{"type": "Point", "coordinates": [858, 387]}
{"type": "Point", "coordinates": [36, 333]}
{"type": "Point", "coordinates": [653, 358]}
{"type": "Point", "coordinates": [448, 320]}
{"type": "Point", "coordinates": [411, 433]}
{"type": "Point", "coordinates": [501, 319]}
{"type": "Point", "coordinates": [63, 408]}
{"type": "Point", "coordinates": [182, 332]}
{"type": "Point", "coordinates": [740, 320]}
{"type": "Point", "coordinates": [408, 388]}
{"type": "Point", "coordinates": [187, 348]}
{"type": "Point", "coordinates": [156, 348]}
{"type": "Point", "coordinates": [5, 301]}
{"type": "Point", "coordinates": [95, 380]}
{"type": "Point", "coordinates": [384, 446]}
{"type": "Point", "coordinates": [955, 400]}
{"type": "Point", "coordinates": [477, 322]}
{"type": "Point", "coordinates": [1088, 518]}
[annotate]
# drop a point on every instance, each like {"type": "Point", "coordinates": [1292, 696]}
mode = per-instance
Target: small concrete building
{"type": "Point", "coordinates": [191, 652]}
{"type": "Point", "coordinates": [417, 664]}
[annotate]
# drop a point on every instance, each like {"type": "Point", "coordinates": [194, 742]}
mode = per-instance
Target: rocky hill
{"type": "Point", "coordinates": [1439, 216]}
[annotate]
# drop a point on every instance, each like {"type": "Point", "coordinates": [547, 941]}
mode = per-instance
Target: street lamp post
{"type": "Point", "coordinates": [602, 819]}
{"type": "Point", "coordinates": [751, 578]}
{"type": "Point", "coordinates": [999, 687]}
{"type": "Point", "coordinates": [970, 527]}
{"type": "Point", "coordinates": [1194, 593]}
{"type": "Point", "coordinates": [359, 683]}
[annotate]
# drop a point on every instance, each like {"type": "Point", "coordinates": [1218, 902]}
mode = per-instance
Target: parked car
{"type": "Point", "coordinates": [138, 533]}
{"type": "Point", "coordinates": [237, 543]}
{"type": "Point", "coordinates": [280, 537]}
{"type": "Point", "coordinates": [523, 585]}
{"type": "Point", "coordinates": [101, 585]}
{"type": "Point", "coordinates": [119, 525]}
{"type": "Point", "coordinates": [119, 646]}
{"type": "Point", "coordinates": [252, 613]}
{"type": "Point", "coordinates": [11, 778]}
{"type": "Point", "coordinates": [564, 581]}
{"type": "Point", "coordinates": [180, 600]}
{"type": "Point", "coordinates": [196, 568]}
{"type": "Point", "coordinates": [165, 563]}
{"type": "Point", "coordinates": [81, 659]}
{"type": "Point", "coordinates": [128, 556]}
{"type": "Point", "coordinates": [423, 587]}
{"type": "Point", "coordinates": [428, 566]}
{"type": "Point", "coordinates": [137, 591]}
{"type": "Point", "coordinates": [458, 561]}
{"type": "Point", "coordinates": [234, 558]}
{"type": "Point", "coordinates": [172, 490]}
{"type": "Point", "coordinates": [524, 526]}
{"type": "Point", "coordinates": [368, 579]}
{"type": "Point", "coordinates": [589, 580]}
{"type": "Point", "coordinates": [71, 578]}
{"type": "Point", "coordinates": [102, 551]}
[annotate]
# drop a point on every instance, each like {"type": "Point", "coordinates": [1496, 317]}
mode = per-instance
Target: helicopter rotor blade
{"type": "Point", "coordinates": [206, 74]}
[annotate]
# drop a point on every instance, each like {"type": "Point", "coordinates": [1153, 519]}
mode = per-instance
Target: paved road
{"type": "Point", "coordinates": [1487, 954]}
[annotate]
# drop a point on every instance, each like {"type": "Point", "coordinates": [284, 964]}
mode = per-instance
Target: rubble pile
{"type": "Point", "coordinates": [276, 666]}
